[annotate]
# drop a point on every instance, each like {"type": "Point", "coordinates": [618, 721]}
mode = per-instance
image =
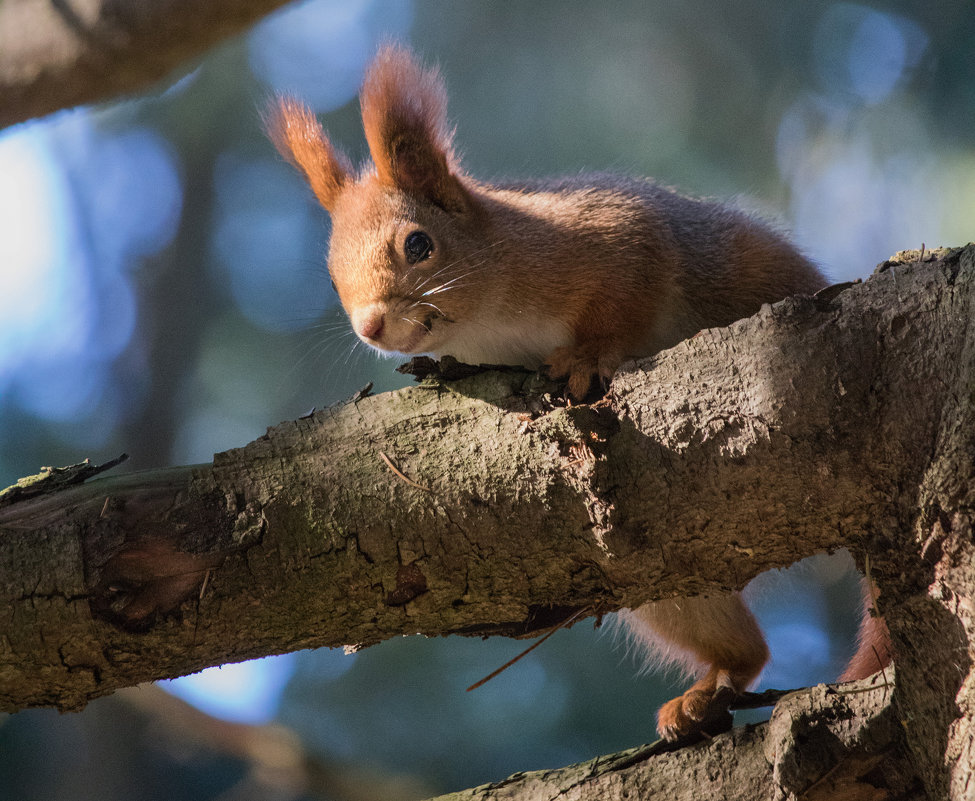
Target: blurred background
{"type": "Point", "coordinates": [164, 294]}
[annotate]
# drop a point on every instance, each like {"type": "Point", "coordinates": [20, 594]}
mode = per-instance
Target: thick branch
{"type": "Point", "coordinates": [60, 53]}
{"type": "Point", "coordinates": [798, 430]}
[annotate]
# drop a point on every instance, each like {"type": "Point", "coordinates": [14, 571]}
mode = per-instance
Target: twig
{"type": "Point", "coordinates": [571, 619]}
{"type": "Point", "coordinates": [401, 475]}
{"type": "Point", "coordinates": [206, 582]}
{"type": "Point", "coordinates": [748, 700]}
{"type": "Point", "coordinates": [858, 690]}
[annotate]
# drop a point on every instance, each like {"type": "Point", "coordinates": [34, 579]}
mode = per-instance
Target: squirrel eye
{"type": "Point", "coordinates": [417, 247]}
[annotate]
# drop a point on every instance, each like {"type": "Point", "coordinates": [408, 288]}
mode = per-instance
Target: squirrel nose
{"type": "Point", "coordinates": [371, 325]}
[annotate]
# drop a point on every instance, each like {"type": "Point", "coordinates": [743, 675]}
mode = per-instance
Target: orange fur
{"type": "Point", "coordinates": [873, 640]}
{"type": "Point", "coordinates": [404, 116]}
{"type": "Point", "coordinates": [578, 273]}
{"type": "Point", "coordinates": [299, 137]}
{"type": "Point", "coordinates": [715, 635]}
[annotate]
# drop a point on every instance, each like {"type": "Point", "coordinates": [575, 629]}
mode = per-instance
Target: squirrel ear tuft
{"type": "Point", "coordinates": [299, 137]}
{"type": "Point", "coordinates": [404, 114]}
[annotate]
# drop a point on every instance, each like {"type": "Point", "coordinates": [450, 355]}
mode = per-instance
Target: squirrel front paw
{"type": "Point", "coordinates": [583, 366]}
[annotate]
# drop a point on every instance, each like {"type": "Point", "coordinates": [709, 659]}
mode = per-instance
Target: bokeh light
{"type": "Point", "coordinates": [863, 53]}
{"type": "Point", "coordinates": [43, 287]}
{"type": "Point", "coordinates": [261, 237]}
{"type": "Point", "coordinates": [80, 206]}
{"type": "Point", "coordinates": [318, 50]}
{"type": "Point", "coordinates": [245, 692]}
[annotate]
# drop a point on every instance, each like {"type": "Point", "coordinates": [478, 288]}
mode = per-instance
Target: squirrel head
{"type": "Point", "coordinates": [407, 239]}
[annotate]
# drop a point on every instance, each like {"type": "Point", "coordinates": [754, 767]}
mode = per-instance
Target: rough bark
{"type": "Point", "coordinates": [60, 53]}
{"type": "Point", "coordinates": [477, 506]}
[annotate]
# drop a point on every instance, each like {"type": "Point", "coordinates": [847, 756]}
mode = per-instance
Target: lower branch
{"type": "Point", "coordinates": [821, 744]}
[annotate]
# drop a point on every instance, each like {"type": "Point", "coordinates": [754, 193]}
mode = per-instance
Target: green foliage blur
{"type": "Point", "coordinates": [189, 309]}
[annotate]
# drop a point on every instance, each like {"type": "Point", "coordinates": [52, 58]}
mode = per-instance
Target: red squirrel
{"type": "Point", "coordinates": [577, 274]}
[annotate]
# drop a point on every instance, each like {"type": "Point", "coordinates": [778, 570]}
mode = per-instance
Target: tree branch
{"type": "Point", "coordinates": [60, 53]}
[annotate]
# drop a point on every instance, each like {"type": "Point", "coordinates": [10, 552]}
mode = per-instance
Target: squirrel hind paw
{"type": "Point", "coordinates": [588, 371]}
{"type": "Point", "coordinates": [703, 709]}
